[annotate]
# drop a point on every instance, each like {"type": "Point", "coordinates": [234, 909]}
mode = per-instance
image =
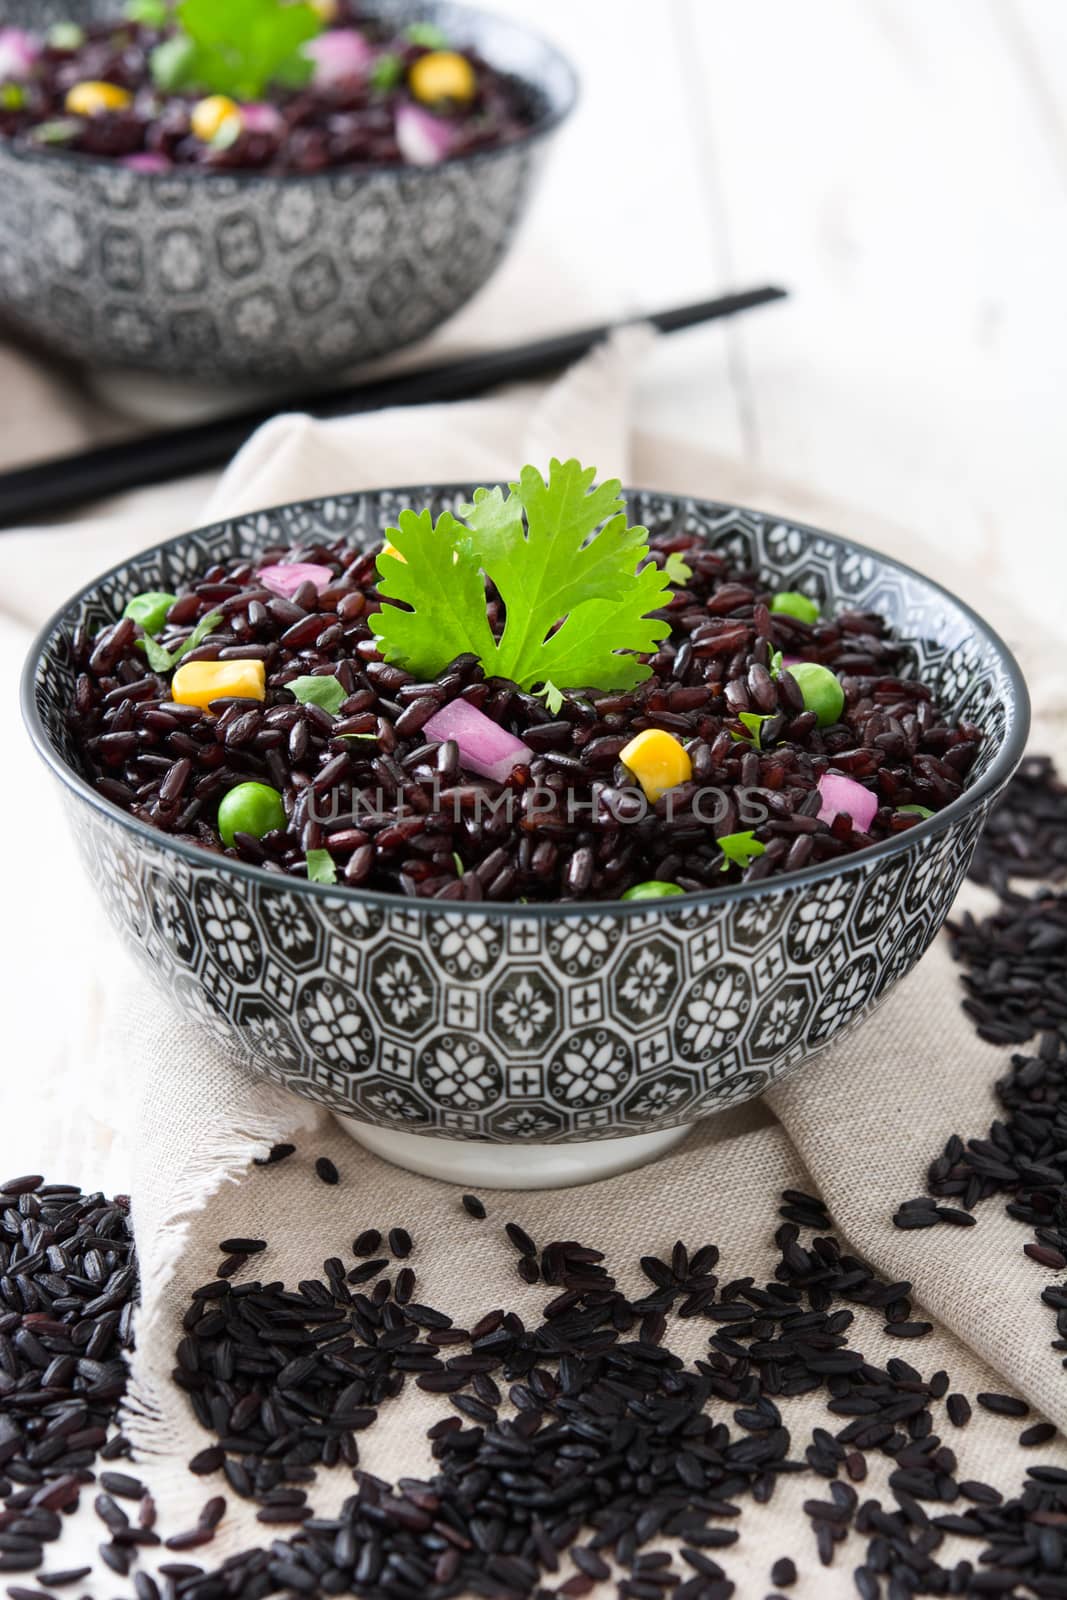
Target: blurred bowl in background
{"type": "Point", "coordinates": [253, 277]}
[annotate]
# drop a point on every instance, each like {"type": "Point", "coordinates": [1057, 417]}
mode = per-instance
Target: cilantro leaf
{"type": "Point", "coordinates": [552, 697]}
{"type": "Point", "coordinates": [446, 598]}
{"type": "Point", "coordinates": [458, 859]}
{"type": "Point", "coordinates": [313, 690]}
{"type": "Point", "coordinates": [739, 849]}
{"type": "Point", "coordinates": [239, 48]}
{"type": "Point", "coordinates": [776, 664]}
{"type": "Point", "coordinates": [161, 660]}
{"type": "Point", "coordinates": [320, 866]}
{"type": "Point", "coordinates": [753, 721]}
{"type": "Point", "coordinates": [386, 72]}
{"type": "Point", "coordinates": [566, 566]}
{"type": "Point", "coordinates": [677, 569]}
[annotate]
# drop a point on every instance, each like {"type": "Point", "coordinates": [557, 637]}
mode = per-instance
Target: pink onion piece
{"type": "Point", "coordinates": [285, 579]}
{"type": "Point", "coordinates": [424, 140]}
{"type": "Point", "coordinates": [484, 747]}
{"type": "Point", "coordinates": [146, 161]}
{"type": "Point", "coordinates": [258, 117]}
{"type": "Point", "coordinates": [339, 56]}
{"type": "Point", "coordinates": [790, 661]}
{"type": "Point", "coordinates": [845, 794]}
{"type": "Point", "coordinates": [18, 54]}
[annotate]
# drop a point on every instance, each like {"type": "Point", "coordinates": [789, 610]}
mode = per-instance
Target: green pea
{"type": "Point", "coordinates": [253, 808]}
{"type": "Point", "coordinates": [822, 692]}
{"type": "Point", "coordinates": [653, 890]}
{"type": "Point", "coordinates": [150, 609]}
{"type": "Point", "coordinates": [791, 603]}
{"type": "Point", "coordinates": [914, 811]}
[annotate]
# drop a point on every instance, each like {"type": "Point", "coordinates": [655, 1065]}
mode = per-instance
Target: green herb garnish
{"type": "Point", "coordinates": [386, 72]}
{"type": "Point", "coordinates": [320, 866]}
{"type": "Point", "coordinates": [237, 47]}
{"type": "Point", "coordinates": [428, 34]}
{"type": "Point", "coordinates": [60, 131]}
{"type": "Point", "coordinates": [161, 660]}
{"type": "Point", "coordinates": [458, 859]}
{"type": "Point", "coordinates": [776, 664]}
{"type": "Point", "coordinates": [677, 570]}
{"type": "Point", "coordinates": [327, 692]}
{"type": "Point", "coordinates": [152, 13]}
{"type": "Point", "coordinates": [65, 36]}
{"type": "Point", "coordinates": [753, 721]}
{"type": "Point", "coordinates": [149, 610]}
{"type": "Point", "coordinates": [12, 97]}
{"type": "Point", "coordinates": [566, 565]}
{"type": "Point", "coordinates": [552, 697]}
{"type": "Point", "coordinates": [739, 849]}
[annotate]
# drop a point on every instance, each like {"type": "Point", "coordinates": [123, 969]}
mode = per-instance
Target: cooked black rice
{"type": "Point", "coordinates": [396, 813]}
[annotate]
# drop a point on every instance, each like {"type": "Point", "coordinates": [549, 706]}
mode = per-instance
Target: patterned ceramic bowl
{"type": "Point", "coordinates": [537, 1030]}
{"type": "Point", "coordinates": [249, 277]}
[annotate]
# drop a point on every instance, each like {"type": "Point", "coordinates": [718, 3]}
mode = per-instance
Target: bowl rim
{"type": "Point", "coordinates": [553, 118]}
{"type": "Point", "coordinates": [991, 781]}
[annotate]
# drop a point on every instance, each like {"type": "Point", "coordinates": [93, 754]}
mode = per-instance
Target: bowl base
{"type": "Point", "coordinates": [478, 1165]}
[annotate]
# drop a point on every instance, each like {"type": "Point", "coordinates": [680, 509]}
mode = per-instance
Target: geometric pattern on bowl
{"type": "Point", "coordinates": [553, 1023]}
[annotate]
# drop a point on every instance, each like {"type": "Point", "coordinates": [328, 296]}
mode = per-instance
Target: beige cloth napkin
{"type": "Point", "coordinates": [859, 1125]}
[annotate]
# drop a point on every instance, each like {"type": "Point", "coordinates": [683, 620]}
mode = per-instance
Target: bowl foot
{"type": "Point", "coordinates": [510, 1166]}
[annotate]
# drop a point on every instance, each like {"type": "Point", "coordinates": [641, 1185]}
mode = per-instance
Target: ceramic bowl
{"type": "Point", "coordinates": [250, 277]}
{"type": "Point", "coordinates": [537, 1044]}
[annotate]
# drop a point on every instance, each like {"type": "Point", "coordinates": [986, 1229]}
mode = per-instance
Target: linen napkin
{"type": "Point", "coordinates": [858, 1126]}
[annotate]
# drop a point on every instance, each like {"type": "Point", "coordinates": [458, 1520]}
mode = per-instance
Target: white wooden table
{"type": "Point", "coordinates": [901, 165]}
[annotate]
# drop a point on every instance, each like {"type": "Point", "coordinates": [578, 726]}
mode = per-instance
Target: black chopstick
{"type": "Point", "coordinates": [65, 481]}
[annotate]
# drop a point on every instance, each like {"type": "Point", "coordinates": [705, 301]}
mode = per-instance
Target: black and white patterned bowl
{"type": "Point", "coordinates": [249, 277]}
{"type": "Point", "coordinates": [549, 1024]}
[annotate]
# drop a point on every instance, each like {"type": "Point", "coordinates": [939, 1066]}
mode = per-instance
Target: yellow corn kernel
{"type": "Point", "coordinates": [326, 9]}
{"type": "Point", "coordinates": [442, 75]}
{"type": "Point", "coordinates": [208, 116]}
{"type": "Point", "coordinates": [90, 98]}
{"type": "Point", "coordinates": [197, 683]}
{"type": "Point", "coordinates": [658, 762]}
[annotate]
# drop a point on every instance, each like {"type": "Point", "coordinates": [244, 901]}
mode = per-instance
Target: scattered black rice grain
{"type": "Point", "coordinates": [1003, 1405]}
{"type": "Point", "coordinates": [1025, 835]}
{"type": "Point", "coordinates": [278, 1152]}
{"type": "Point", "coordinates": [784, 1573]}
{"type": "Point", "coordinates": [326, 1170]}
{"type": "Point", "coordinates": [243, 1247]}
{"type": "Point", "coordinates": [400, 1242]}
{"type": "Point", "coordinates": [122, 1485]}
{"type": "Point", "coordinates": [520, 1239]}
{"type": "Point", "coordinates": [368, 1243]}
{"type": "Point", "coordinates": [61, 1578]}
{"type": "Point", "coordinates": [959, 1410]}
{"type": "Point", "coordinates": [473, 1206]}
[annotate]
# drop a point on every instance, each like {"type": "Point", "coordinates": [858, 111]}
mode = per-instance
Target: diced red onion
{"type": "Point", "coordinates": [790, 661]}
{"type": "Point", "coordinates": [339, 56]}
{"type": "Point", "coordinates": [484, 746]}
{"type": "Point", "coordinates": [424, 140]}
{"type": "Point", "coordinates": [845, 794]}
{"type": "Point", "coordinates": [286, 578]}
{"type": "Point", "coordinates": [146, 161]}
{"type": "Point", "coordinates": [258, 117]}
{"type": "Point", "coordinates": [18, 53]}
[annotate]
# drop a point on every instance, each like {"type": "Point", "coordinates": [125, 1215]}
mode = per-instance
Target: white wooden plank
{"type": "Point", "coordinates": [889, 163]}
